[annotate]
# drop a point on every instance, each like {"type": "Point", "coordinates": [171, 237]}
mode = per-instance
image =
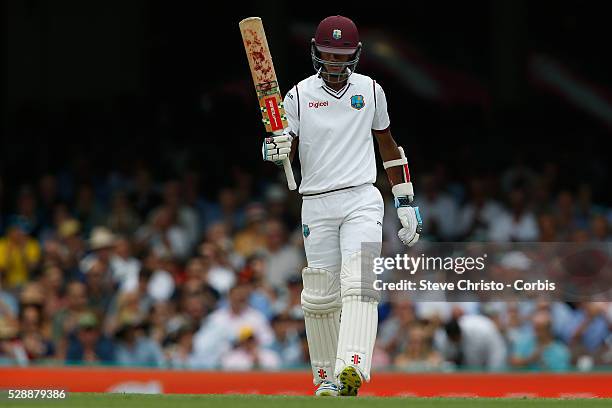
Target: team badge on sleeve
{"type": "Point", "coordinates": [357, 101]}
{"type": "Point", "coordinates": [305, 230]}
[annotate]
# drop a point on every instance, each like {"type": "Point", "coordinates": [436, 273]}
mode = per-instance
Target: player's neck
{"type": "Point", "coordinates": [336, 86]}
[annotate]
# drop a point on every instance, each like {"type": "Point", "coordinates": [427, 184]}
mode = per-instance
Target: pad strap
{"type": "Point", "coordinates": [402, 161]}
{"type": "Point", "coordinates": [395, 163]}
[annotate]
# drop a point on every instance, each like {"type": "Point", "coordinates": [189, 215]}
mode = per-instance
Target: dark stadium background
{"type": "Point", "coordinates": [96, 86]}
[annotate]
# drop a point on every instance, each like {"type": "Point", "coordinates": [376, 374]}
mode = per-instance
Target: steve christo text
{"type": "Point", "coordinates": [465, 285]}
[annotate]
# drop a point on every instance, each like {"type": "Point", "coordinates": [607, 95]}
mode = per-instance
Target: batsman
{"type": "Point", "coordinates": [333, 117]}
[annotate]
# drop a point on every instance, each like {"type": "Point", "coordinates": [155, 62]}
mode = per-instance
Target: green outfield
{"type": "Point", "coordinates": [261, 401]}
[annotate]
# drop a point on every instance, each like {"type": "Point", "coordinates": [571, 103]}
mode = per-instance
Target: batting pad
{"type": "Point", "coordinates": [321, 304]}
{"type": "Point", "coordinates": [357, 334]}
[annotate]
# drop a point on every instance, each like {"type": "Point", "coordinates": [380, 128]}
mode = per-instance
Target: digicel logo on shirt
{"type": "Point", "coordinates": [318, 104]}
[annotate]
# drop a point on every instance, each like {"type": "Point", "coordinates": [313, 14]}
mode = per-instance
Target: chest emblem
{"type": "Point", "coordinates": [357, 102]}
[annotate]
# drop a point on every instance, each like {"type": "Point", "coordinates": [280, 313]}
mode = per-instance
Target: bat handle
{"type": "Point", "coordinates": [289, 174]}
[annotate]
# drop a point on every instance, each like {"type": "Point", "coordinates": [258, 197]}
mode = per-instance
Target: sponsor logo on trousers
{"type": "Point", "coordinates": [317, 104]}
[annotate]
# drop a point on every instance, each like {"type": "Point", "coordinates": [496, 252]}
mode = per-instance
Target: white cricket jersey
{"type": "Point", "coordinates": [335, 131]}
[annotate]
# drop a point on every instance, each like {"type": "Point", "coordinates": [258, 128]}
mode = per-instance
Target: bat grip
{"type": "Point", "coordinates": [289, 174]}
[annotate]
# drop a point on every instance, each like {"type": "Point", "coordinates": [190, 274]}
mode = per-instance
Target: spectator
{"type": "Point", "coordinates": [126, 304]}
{"type": "Point", "coordinates": [218, 235]}
{"type": "Point", "coordinates": [65, 321]}
{"type": "Point", "coordinates": [509, 320]}
{"type": "Point", "coordinates": [392, 333]}
{"type": "Point", "coordinates": [220, 328]}
{"type": "Point", "coordinates": [19, 254]}
{"type": "Point", "coordinates": [162, 321]}
{"type": "Point", "coordinates": [180, 352]}
{"type": "Point", "coordinates": [519, 224]}
{"type": "Point", "coordinates": [52, 283]}
{"type": "Point", "coordinates": [479, 213]}
{"type": "Point", "coordinates": [226, 210]}
{"type": "Point", "coordinates": [99, 287]}
{"type": "Point", "coordinates": [262, 295]}
{"type": "Point", "coordinates": [220, 275]}
{"type": "Point", "coordinates": [186, 216]}
{"type": "Point", "coordinates": [587, 328]}
{"type": "Point", "coordinates": [124, 266]}
{"type": "Point", "coordinates": [252, 238]}
{"type": "Point", "coordinates": [8, 306]}
{"type": "Point", "coordinates": [133, 347]}
{"type": "Point", "coordinates": [87, 345]}
{"type": "Point", "coordinates": [277, 205]}
{"type": "Point", "coordinates": [290, 303]}
{"type": "Point", "coordinates": [101, 245]}
{"type": "Point", "coordinates": [249, 355]}
{"type": "Point", "coordinates": [282, 259]}
{"type": "Point", "coordinates": [11, 347]}
{"type": "Point", "coordinates": [287, 344]}
{"type": "Point", "coordinates": [539, 350]}
{"type": "Point", "coordinates": [33, 333]}
{"type": "Point", "coordinates": [163, 235]}
{"type": "Point", "coordinates": [419, 354]}
{"type": "Point", "coordinates": [473, 341]}
{"type": "Point", "coordinates": [70, 248]}
{"type": "Point", "coordinates": [196, 283]}
{"type": "Point", "coordinates": [195, 307]}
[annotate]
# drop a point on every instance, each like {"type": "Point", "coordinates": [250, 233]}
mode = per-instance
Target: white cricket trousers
{"type": "Point", "coordinates": [336, 224]}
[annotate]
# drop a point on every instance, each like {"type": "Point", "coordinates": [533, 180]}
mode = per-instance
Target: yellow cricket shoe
{"type": "Point", "coordinates": [350, 380]}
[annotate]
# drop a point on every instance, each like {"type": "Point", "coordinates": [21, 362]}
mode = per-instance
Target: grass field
{"type": "Point", "coordinates": [261, 401]}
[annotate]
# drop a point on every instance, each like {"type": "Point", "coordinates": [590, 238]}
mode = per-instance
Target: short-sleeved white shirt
{"type": "Point", "coordinates": [335, 131]}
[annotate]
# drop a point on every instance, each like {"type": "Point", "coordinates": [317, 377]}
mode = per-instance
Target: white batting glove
{"type": "Point", "coordinates": [412, 225]}
{"type": "Point", "coordinates": [409, 216]}
{"type": "Point", "coordinates": [277, 148]}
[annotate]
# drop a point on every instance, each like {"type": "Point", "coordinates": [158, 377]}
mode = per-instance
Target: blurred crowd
{"type": "Point", "coordinates": [132, 270]}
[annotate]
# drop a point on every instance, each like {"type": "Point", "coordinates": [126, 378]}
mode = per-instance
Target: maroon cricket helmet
{"type": "Point", "coordinates": [337, 35]}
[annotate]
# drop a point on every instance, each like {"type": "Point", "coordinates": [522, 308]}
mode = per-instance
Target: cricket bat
{"type": "Point", "coordinates": [266, 84]}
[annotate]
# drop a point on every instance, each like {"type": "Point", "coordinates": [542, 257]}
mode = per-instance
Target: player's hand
{"type": "Point", "coordinates": [277, 148]}
{"type": "Point", "coordinates": [412, 224]}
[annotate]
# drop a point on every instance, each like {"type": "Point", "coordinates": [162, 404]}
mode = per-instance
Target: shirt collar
{"type": "Point", "coordinates": [321, 82]}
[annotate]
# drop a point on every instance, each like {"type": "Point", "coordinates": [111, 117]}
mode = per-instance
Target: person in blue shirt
{"type": "Point", "coordinates": [87, 344]}
{"type": "Point", "coordinates": [135, 348]}
{"type": "Point", "coordinates": [539, 350]}
{"type": "Point", "coordinates": [587, 328]}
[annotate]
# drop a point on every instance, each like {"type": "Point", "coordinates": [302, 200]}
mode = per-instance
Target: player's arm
{"type": "Point", "coordinates": [396, 166]}
{"type": "Point", "coordinates": [389, 151]}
